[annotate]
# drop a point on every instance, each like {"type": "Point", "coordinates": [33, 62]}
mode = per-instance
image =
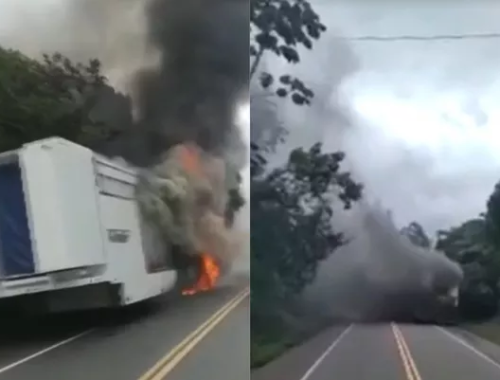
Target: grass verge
{"type": "Point", "coordinates": [488, 330]}
{"type": "Point", "coordinates": [263, 352]}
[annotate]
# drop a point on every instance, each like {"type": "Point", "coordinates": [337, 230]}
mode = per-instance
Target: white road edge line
{"type": "Point", "coordinates": [468, 346]}
{"type": "Point", "coordinates": [318, 361]}
{"type": "Point", "coordinates": [44, 351]}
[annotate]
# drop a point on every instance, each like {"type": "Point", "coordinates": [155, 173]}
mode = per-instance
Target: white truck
{"type": "Point", "coordinates": [71, 233]}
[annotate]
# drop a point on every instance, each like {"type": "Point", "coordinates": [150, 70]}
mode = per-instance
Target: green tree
{"type": "Point", "coordinates": [56, 97]}
{"type": "Point", "coordinates": [281, 27]}
{"type": "Point", "coordinates": [51, 97]}
{"type": "Point", "coordinates": [492, 215]}
{"type": "Point", "coordinates": [464, 243]}
{"type": "Point", "coordinates": [291, 206]}
{"type": "Point", "coordinates": [417, 235]}
{"type": "Point", "coordinates": [470, 245]}
{"type": "Point", "coordinates": [234, 204]}
{"type": "Point", "coordinates": [292, 232]}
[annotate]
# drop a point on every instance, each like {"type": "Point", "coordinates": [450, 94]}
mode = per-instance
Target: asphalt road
{"type": "Point", "coordinates": [389, 352]}
{"type": "Point", "coordinates": [225, 354]}
{"type": "Point", "coordinates": [141, 343]}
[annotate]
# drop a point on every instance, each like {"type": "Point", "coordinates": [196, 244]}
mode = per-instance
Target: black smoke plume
{"type": "Point", "coordinates": [191, 95]}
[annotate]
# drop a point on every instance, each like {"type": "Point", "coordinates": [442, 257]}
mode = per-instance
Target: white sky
{"type": "Point", "coordinates": [426, 115]}
{"type": "Point", "coordinates": [28, 11]}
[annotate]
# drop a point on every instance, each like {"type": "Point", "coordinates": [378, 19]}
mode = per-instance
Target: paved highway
{"type": "Point", "coordinates": [176, 338]}
{"type": "Point", "coordinates": [389, 352]}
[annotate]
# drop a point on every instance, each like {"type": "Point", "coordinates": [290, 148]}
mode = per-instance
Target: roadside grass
{"type": "Point", "coordinates": [277, 340]}
{"type": "Point", "coordinates": [487, 330]}
{"type": "Point", "coordinates": [263, 352]}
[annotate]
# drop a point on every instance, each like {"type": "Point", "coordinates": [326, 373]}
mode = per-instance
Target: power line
{"type": "Point", "coordinates": [439, 37]}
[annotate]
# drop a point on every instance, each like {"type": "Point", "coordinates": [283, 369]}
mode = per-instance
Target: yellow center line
{"type": "Point", "coordinates": [410, 356]}
{"type": "Point", "coordinates": [409, 365]}
{"type": "Point", "coordinates": [166, 364]}
{"type": "Point", "coordinates": [402, 354]}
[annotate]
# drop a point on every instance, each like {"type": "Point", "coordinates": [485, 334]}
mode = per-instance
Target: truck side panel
{"type": "Point", "coordinates": [137, 257]}
{"type": "Point", "coordinates": [62, 200]}
{"type": "Point", "coordinates": [127, 263]}
{"type": "Point", "coordinates": [16, 250]}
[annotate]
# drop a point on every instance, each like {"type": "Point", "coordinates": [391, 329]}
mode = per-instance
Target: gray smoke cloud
{"type": "Point", "coordinates": [378, 274]}
{"type": "Point", "coordinates": [185, 66]}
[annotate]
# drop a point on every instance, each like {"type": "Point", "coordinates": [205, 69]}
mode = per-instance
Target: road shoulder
{"type": "Point", "coordinates": [481, 344]}
{"type": "Point", "coordinates": [298, 359]}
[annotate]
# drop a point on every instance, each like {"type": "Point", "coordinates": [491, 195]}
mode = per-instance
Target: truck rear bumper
{"type": "Point", "coordinates": [42, 283]}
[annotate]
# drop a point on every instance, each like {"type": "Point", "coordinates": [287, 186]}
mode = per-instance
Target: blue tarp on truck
{"type": "Point", "coordinates": [16, 251]}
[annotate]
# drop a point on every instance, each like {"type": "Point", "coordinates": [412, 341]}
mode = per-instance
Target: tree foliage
{"type": "Point", "coordinates": [282, 27]}
{"type": "Point", "coordinates": [475, 245]}
{"type": "Point", "coordinates": [57, 97]}
{"type": "Point", "coordinates": [417, 235]}
{"type": "Point", "coordinates": [291, 217]}
{"type": "Point", "coordinates": [51, 97]}
{"type": "Point", "coordinates": [492, 215]}
{"type": "Point", "coordinates": [292, 205]}
{"type": "Point", "coordinates": [234, 203]}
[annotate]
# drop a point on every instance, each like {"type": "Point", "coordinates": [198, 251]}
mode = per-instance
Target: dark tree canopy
{"type": "Point", "coordinates": [234, 204]}
{"type": "Point", "coordinates": [493, 214]}
{"type": "Point", "coordinates": [57, 97]}
{"type": "Point", "coordinates": [281, 27]}
{"type": "Point", "coordinates": [417, 235]}
{"type": "Point", "coordinates": [291, 222]}
{"type": "Point", "coordinates": [475, 246]}
{"type": "Point", "coordinates": [292, 205]}
{"type": "Point", "coordinates": [51, 97]}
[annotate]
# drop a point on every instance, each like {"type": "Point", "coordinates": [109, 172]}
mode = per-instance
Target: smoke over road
{"type": "Point", "coordinates": [378, 274]}
{"type": "Point", "coordinates": [185, 65]}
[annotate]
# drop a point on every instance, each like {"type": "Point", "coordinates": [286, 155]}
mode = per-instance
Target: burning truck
{"type": "Point", "coordinates": [79, 230]}
{"type": "Point", "coordinates": [149, 213]}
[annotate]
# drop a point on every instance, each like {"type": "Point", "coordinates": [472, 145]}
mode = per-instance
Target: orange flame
{"type": "Point", "coordinates": [210, 273]}
{"type": "Point", "coordinates": [190, 159]}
